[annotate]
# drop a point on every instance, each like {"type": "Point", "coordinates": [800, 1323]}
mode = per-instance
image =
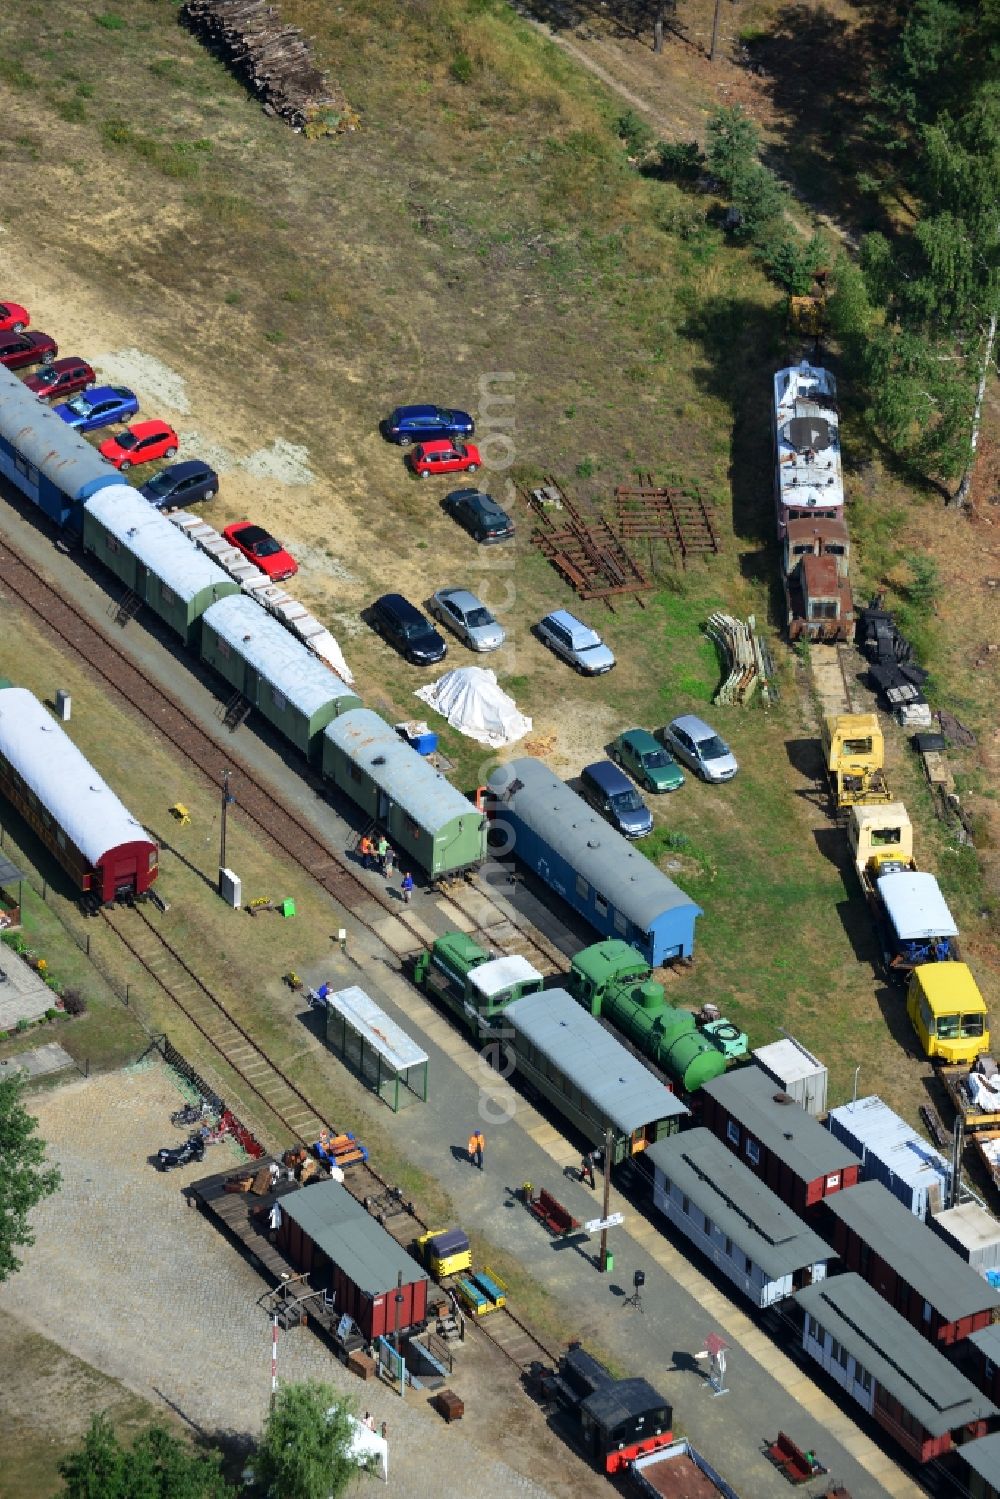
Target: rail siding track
{"type": "Point", "coordinates": [273, 817]}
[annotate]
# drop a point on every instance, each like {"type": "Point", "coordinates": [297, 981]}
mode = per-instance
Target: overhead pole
{"type": "Point", "coordinates": [607, 1199]}
{"type": "Point", "coordinates": [715, 31]}
{"type": "Point", "coordinates": [227, 798]}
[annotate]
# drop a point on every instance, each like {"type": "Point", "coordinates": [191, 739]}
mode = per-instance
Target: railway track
{"type": "Point", "coordinates": [170, 971]}
{"type": "Point", "coordinates": [273, 817]}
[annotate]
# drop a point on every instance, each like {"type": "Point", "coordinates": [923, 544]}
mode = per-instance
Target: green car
{"type": "Point", "coordinates": [647, 761]}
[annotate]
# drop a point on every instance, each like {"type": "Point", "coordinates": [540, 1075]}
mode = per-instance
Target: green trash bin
{"type": "Point", "coordinates": [288, 908]}
{"type": "Point", "coordinates": [609, 1261]}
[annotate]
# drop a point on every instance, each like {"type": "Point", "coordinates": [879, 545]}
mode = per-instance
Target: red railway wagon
{"type": "Point", "coordinates": [325, 1232]}
{"type": "Point", "coordinates": [75, 814]}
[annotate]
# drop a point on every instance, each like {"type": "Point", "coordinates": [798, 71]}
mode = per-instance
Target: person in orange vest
{"type": "Point", "coordinates": [366, 851]}
{"type": "Point", "coordinates": [477, 1147]}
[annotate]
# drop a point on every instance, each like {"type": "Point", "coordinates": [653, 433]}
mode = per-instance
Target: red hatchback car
{"type": "Point", "coordinates": [12, 315]}
{"type": "Point", "coordinates": [140, 443]}
{"type": "Point", "coordinates": [443, 457]}
{"type": "Point", "coordinates": [61, 378]}
{"type": "Point", "coordinates": [20, 349]}
{"type": "Point", "coordinates": [260, 547]}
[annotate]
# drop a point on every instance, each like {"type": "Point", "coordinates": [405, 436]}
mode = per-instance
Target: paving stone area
{"type": "Point", "coordinates": [130, 1278]}
{"type": "Point", "coordinates": [39, 1061]}
{"type": "Point", "coordinates": [23, 995]}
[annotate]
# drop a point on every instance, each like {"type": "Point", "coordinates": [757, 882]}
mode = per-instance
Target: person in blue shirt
{"type": "Point", "coordinates": [407, 886]}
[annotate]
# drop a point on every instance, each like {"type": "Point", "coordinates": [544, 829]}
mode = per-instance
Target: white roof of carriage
{"type": "Point", "coordinates": [807, 441]}
{"type": "Point", "coordinates": [276, 654]}
{"type": "Point", "coordinates": [163, 550]}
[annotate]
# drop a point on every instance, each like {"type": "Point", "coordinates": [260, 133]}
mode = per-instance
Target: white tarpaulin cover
{"type": "Point", "coordinates": [368, 1448]}
{"type": "Point", "coordinates": [469, 698]}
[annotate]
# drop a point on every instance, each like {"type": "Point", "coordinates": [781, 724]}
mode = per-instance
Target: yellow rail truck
{"type": "Point", "coordinates": [948, 1013]}
{"type": "Point", "coordinates": [854, 755]}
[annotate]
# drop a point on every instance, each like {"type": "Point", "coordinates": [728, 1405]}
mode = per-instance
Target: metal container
{"type": "Point", "coordinates": [797, 1072]}
{"type": "Point", "coordinates": [894, 1154]}
{"type": "Point", "coordinates": [973, 1233]}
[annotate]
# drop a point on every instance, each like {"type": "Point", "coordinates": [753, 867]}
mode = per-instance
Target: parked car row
{"type": "Point", "coordinates": [651, 760]}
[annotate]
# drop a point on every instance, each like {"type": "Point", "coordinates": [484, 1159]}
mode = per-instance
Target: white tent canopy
{"type": "Point", "coordinates": [470, 699]}
{"type": "Point", "coordinates": [368, 1449]}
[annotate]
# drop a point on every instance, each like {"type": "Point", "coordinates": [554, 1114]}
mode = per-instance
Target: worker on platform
{"type": "Point", "coordinates": [477, 1147]}
{"type": "Point", "coordinates": [383, 854]}
{"type": "Point", "coordinates": [366, 851]}
{"type": "Point", "coordinates": [587, 1170]}
{"type": "Point", "coordinates": [407, 886]}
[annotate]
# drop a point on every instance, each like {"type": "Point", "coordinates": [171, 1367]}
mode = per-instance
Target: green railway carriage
{"type": "Point", "coordinates": [155, 561]}
{"type": "Point", "coordinates": [571, 1060]}
{"type": "Point", "coordinates": [274, 671]}
{"type": "Point", "coordinates": [433, 825]}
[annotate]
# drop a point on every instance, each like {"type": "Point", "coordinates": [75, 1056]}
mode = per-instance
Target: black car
{"type": "Point", "coordinates": [480, 514]}
{"type": "Point", "coordinates": [426, 423]}
{"type": "Point", "coordinates": [181, 484]}
{"type": "Point", "coordinates": [403, 626]}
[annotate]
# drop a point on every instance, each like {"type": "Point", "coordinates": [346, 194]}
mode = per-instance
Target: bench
{"type": "Point", "coordinates": [340, 1150]}
{"type": "Point", "coordinates": [789, 1458]}
{"type": "Point", "coordinates": [552, 1213]}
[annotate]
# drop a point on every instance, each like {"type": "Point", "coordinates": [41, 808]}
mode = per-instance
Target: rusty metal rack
{"type": "Point", "coordinates": [656, 512]}
{"type": "Point", "coordinates": [584, 548]}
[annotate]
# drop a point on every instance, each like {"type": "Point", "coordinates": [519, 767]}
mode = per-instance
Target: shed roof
{"type": "Point", "coordinates": [284, 662]}
{"type": "Point", "coordinates": [739, 1203]}
{"type": "Point", "coordinates": [397, 769]}
{"type": "Point", "coordinates": [983, 1457]}
{"type": "Point", "coordinates": [970, 1225]}
{"type": "Point", "coordinates": [906, 1365]}
{"type": "Point", "coordinates": [987, 1340]}
{"type": "Point", "coordinates": [351, 1238]}
{"type": "Point", "coordinates": [62, 778]}
{"type": "Point", "coordinates": [592, 1060]}
{"type": "Point", "coordinates": [915, 905]}
{"type": "Point", "coordinates": [625, 877]}
{"type": "Point", "coordinates": [783, 1128]}
{"type": "Point", "coordinates": [501, 973]}
{"type": "Point", "coordinates": [789, 1060]}
{"type": "Point", "coordinates": [381, 1032]}
{"type": "Point", "coordinates": [876, 1130]}
{"type": "Point", "coordinates": [917, 1255]}
{"type": "Point", "coordinates": [44, 439]}
{"type": "Point", "coordinates": [159, 546]}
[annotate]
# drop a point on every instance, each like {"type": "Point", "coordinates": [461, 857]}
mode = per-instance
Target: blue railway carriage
{"type": "Point", "coordinates": [53, 466]}
{"type": "Point", "coordinates": [543, 822]}
{"type": "Point", "coordinates": [436, 827]}
{"type": "Point", "coordinates": [568, 1057]}
{"type": "Point", "coordinates": [273, 671]}
{"type": "Point", "coordinates": [155, 561]}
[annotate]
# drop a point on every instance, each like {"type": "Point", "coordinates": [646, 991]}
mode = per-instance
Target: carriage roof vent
{"type": "Point", "coordinates": [593, 842]}
{"type": "Point", "coordinates": [379, 760]}
{"type": "Point", "coordinates": [783, 1098]}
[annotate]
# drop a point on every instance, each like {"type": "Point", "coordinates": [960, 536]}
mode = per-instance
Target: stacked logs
{"type": "Point", "coordinates": [275, 60]}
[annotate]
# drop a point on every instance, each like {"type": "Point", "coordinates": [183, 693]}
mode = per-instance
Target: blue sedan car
{"type": "Point", "coordinates": [408, 424]}
{"type": "Point", "coordinates": [98, 407]}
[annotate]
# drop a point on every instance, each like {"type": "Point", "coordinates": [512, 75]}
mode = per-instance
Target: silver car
{"type": "Point", "coordinates": [699, 746]}
{"type": "Point", "coordinates": [575, 642]}
{"type": "Point", "coordinates": [469, 617]}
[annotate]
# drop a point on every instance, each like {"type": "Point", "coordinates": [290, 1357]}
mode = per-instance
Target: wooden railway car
{"type": "Point", "coordinates": [52, 465]}
{"type": "Point", "coordinates": [104, 851]}
{"type": "Point", "coordinates": [815, 566]}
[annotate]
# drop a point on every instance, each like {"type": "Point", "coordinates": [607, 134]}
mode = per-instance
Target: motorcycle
{"type": "Point", "coordinates": [193, 1149]}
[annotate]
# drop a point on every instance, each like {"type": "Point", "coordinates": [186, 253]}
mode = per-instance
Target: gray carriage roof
{"type": "Point", "coordinates": [343, 1230]}
{"type": "Point", "coordinates": [784, 1129]}
{"type": "Point", "coordinates": [409, 780]}
{"type": "Point", "coordinates": [899, 1358]}
{"type": "Point", "coordinates": [916, 1254]}
{"type": "Point", "coordinates": [62, 778]}
{"type": "Point", "coordinates": [738, 1203]}
{"type": "Point", "coordinates": [592, 1060]}
{"type": "Point", "coordinates": [57, 451]}
{"type": "Point", "coordinates": [983, 1457]}
{"type": "Point", "coordinates": [276, 654]}
{"type": "Point", "coordinates": [915, 905]}
{"type": "Point", "coordinates": [159, 546]}
{"type": "Point", "coordinates": [625, 877]}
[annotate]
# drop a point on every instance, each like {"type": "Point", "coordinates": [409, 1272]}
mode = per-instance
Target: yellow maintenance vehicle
{"type": "Point", "coordinates": [854, 756]}
{"type": "Point", "coordinates": [948, 1013]}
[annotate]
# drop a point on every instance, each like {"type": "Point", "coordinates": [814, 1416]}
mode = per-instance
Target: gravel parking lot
{"type": "Point", "coordinates": [129, 1278]}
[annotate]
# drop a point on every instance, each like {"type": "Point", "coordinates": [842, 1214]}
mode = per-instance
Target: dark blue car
{"type": "Point", "coordinates": [425, 423]}
{"type": "Point", "coordinates": [181, 484]}
{"type": "Point", "coordinates": [98, 407]}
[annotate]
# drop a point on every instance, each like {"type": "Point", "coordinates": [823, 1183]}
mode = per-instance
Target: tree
{"type": "Point", "coordinates": [24, 1178]}
{"type": "Point", "coordinates": [159, 1466]}
{"type": "Point", "coordinates": [303, 1452]}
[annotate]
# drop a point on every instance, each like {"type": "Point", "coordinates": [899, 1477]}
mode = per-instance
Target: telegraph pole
{"type": "Point", "coordinates": [715, 32]}
{"type": "Point", "coordinates": [227, 797]}
{"type": "Point", "coordinates": [607, 1198]}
